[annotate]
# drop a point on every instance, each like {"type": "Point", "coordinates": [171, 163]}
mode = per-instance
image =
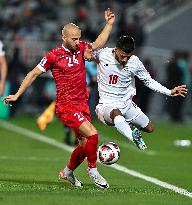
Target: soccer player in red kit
{"type": "Point", "coordinates": [67, 64]}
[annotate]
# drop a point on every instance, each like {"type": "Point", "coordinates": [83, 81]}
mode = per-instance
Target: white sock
{"type": "Point", "coordinates": [93, 171]}
{"type": "Point", "coordinates": [123, 127]}
{"type": "Point", "coordinates": [67, 170]}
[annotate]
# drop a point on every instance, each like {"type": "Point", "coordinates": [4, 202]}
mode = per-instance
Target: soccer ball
{"type": "Point", "coordinates": [108, 153]}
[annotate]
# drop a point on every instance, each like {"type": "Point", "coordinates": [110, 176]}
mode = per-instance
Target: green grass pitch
{"type": "Point", "coordinates": [29, 168]}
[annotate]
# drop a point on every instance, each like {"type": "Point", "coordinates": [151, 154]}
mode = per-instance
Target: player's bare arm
{"type": "Point", "coordinates": [103, 37]}
{"type": "Point", "coordinates": [3, 64]}
{"type": "Point", "coordinates": [179, 91]}
{"type": "Point", "coordinates": [28, 80]}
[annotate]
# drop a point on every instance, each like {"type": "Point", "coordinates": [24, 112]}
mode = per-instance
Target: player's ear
{"type": "Point", "coordinates": [63, 37]}
{"type": "Point", "coordinates": [115, 51]}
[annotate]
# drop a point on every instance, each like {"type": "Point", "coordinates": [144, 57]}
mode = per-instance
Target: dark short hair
{"type": "Point", "coordinates": [126, 44]}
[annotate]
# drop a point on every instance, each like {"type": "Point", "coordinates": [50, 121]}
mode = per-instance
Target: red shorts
{"type": "Point", "coordinates": [73, 115]}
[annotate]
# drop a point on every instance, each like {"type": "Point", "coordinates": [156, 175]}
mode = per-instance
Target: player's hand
{"type": "Point", "coordinates": [8, 99]}
{"type": "Point", "coordinates": [179, 91]}
{"type": "Point", "coordinates": [88, 53]}
{"type": "Point", "coordinates": [109, 16]}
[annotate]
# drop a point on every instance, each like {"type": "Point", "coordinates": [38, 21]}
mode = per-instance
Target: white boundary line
{"type": "Point", "coordinates": [31, 158]}
{"type": "Point", "coordinates": [43, 138]}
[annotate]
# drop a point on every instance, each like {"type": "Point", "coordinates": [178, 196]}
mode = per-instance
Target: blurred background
{"type": "Point", "coordinates": [30, 159]}
{"type": "Point", "coordinates": [162, 31]}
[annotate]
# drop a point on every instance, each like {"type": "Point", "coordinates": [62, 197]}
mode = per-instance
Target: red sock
{"type": "Point", "coordinates": [91, 150]}
{"type": "Point", "coordinates": [77, 157]}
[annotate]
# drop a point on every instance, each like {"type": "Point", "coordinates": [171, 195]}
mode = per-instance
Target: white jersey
{"type": "Point", "coordinates": [117, 82]}
{"type": "Point", "coordinates": [2, 53]}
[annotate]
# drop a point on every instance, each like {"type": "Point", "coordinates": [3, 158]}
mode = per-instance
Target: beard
{"type": "Point", "coordinates": [70, 47]}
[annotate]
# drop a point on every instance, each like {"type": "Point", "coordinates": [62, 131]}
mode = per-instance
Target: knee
{"type": "Point", "coordinates": [87, 129]}
{"type": "Point", "coordinates": [114, 113]}
{"type": "Point", "coordinates": [93, 131]}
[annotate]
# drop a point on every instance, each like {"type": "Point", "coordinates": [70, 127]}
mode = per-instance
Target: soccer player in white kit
{"type": "Point", "coordinates": [116, 69]}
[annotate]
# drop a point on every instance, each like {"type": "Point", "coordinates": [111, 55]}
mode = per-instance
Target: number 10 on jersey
{"type": "Point", "coordinates": [113, 79]}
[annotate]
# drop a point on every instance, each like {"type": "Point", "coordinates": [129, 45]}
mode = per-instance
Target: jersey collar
{"type": "Point", "coordinates": [66, 49]}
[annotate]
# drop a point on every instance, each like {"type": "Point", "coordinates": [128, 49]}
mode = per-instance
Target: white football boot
{"type": "Point", "coordinates": [97, 178]}
{"type": "Point", "coordinates": [71, 178]}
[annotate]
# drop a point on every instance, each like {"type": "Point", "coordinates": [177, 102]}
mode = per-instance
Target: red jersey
{"type": "Point", "coordinates": [68, 70]}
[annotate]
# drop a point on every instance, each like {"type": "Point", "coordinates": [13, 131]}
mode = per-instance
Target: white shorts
{"type": "Point", "coordinates": [132, 113]}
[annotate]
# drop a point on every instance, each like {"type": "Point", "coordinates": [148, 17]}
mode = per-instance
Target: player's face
{"type": "Point", "coordinates": [121, 56]}
{"type": "Point", "coordinates": [71, 41]}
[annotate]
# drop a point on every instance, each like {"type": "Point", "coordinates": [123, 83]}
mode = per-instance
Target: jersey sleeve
{"type": "Point", "coordinates": [144, 75]}
{"type": "Point", "coordinates": [96, 53]}
{"type": "Point", "coordinates": [46, 62]}
{"type": "Point", "coordinates": [99, 52]}
{"type": "Point", "coordinates": [2, 52]}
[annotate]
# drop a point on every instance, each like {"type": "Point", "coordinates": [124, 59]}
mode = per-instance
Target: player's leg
{"type": "Point", "coordinates": [131, 113]}
{"type": "Point", "coordinates": [78, 154]}
{"type": "Point", "coordinates": [114, 116]}
{"type": "Point", "coordinates": [124, 128]}
{"type": "Point", "coordinates": [88, 131]}
{"type": "Point", "coordinates": [143, 122]}
{"type": "Point", "coordinates": [88, 140]}
{"type": "Point", "coordinates": [149, 128]}
{"type": "Point", "coordinates": [136, 117]}
{"type": "Point", "coordinates": [77, 157]}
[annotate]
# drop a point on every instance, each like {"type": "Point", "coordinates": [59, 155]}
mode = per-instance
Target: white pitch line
{"type": "Point", "coordinates": [153, 180]}
{"type": "Point", "coordinates": [33, 135]}
{"type": "Point", "coordinates": [43, 138]}
{"type": "Point", "coordinates": [32, 158]}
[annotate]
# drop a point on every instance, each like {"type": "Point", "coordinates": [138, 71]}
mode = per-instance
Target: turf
{"type": "Point", "coordinates": [29, 168]}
